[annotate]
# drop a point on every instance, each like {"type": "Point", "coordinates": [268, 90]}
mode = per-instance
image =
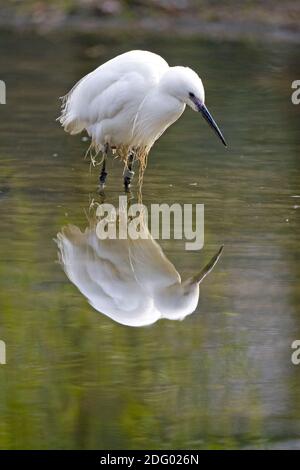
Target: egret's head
{"type": "Point", "coordinates": [180, 82]}
{"type": "Point", "coordinates": [177, 301]}
{"type": "Point", "coordinates": [185, 85]}
{"type": "Point", "coordinates": [184, 298]}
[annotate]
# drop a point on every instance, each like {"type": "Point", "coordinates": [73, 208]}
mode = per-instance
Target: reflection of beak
{"type": "Point", "coordinates": [206, 270]}
{"type": "Point", "coordinates": [208, 117]}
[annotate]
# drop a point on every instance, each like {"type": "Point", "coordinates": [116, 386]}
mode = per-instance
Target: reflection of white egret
{"type": "Point", "coordinates": [128, 102]}
{"type": "Point", "coordinates": [130, 281]}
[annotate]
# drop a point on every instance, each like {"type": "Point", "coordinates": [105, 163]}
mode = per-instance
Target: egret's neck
{"type": "Point", "coordinates": [158, 111]}
{"type": "Point", "coordinates": [175, 302]}
{"type": "Point", "coordinates": [172, 84]}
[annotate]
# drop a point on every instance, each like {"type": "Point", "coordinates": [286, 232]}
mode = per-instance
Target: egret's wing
{"type": "Point", "coordinates": [97, 97]}
{"type": "Point", "coordinates": [95, 266]}
{"type": "Point", "coordinates": [102, 272]}
{"type": "Point", "coordinates": [118, 84]}
{"type": "Point", "coordinates": [150, 266]}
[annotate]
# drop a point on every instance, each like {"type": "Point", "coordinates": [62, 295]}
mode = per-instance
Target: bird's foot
{"type": "Point", "coordinates": [102, 180]}
{"type": "Point", "coordinates": [128, 175]}
{"type": "Point", "coordinates": [127, 187]}
{"type": "Point", "coordinates": [102, 195]}
{"type": "Point", "coordinates": [101, 190]}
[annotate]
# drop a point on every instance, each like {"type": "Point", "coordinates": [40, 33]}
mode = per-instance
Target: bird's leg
{"type": "Point", "coordinates": [103, 173]}
{"type": "Point", "coordinates": [128, 171]}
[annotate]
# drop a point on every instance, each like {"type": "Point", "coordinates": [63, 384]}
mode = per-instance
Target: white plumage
{"type": "Point", "coordinates": [129, 101]}
{"type": "Point", "coordinates": [130, 281]}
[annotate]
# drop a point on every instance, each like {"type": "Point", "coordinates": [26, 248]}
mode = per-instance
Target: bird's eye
{"type": "Point", "coordinates": [191, 95]}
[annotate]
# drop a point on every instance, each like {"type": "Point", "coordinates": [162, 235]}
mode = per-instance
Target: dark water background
{"type": "Point", "coordinates": [222, 378]}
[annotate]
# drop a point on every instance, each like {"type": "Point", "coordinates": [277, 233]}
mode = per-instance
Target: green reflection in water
{"type": "Point", "coordinates": [223, 377]}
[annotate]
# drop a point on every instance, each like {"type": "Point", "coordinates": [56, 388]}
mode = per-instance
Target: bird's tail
{"type": "Point", "coordinates": [210, 265]}
{"type": "Point", "coordinates": [67, 118]}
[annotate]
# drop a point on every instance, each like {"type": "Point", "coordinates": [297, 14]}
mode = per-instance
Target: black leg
{"type": "Point", "coordinates": [128, 172]}
{"type": "Point", "coordinates": [103, 173]}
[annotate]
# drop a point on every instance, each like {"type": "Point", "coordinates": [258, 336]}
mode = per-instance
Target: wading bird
{"type": "Point", "coordinates": [128, 102]}
{"type": "Point", "coordinates": [130, 281]}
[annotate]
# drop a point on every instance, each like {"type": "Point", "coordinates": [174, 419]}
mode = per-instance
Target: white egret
{"type": "Point", "coordinates": [130, 281]}
{"type": "Point", "coordinates": [128, 102]}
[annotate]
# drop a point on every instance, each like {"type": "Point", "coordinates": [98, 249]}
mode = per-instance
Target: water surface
{"type": "Point", "coordinates": [222, 378]}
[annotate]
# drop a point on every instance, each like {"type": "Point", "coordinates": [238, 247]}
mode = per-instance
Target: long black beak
{"type": "Point", "coordinates": [206, 114]}
{"type": "Point", "coordinates": [208, 117]}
